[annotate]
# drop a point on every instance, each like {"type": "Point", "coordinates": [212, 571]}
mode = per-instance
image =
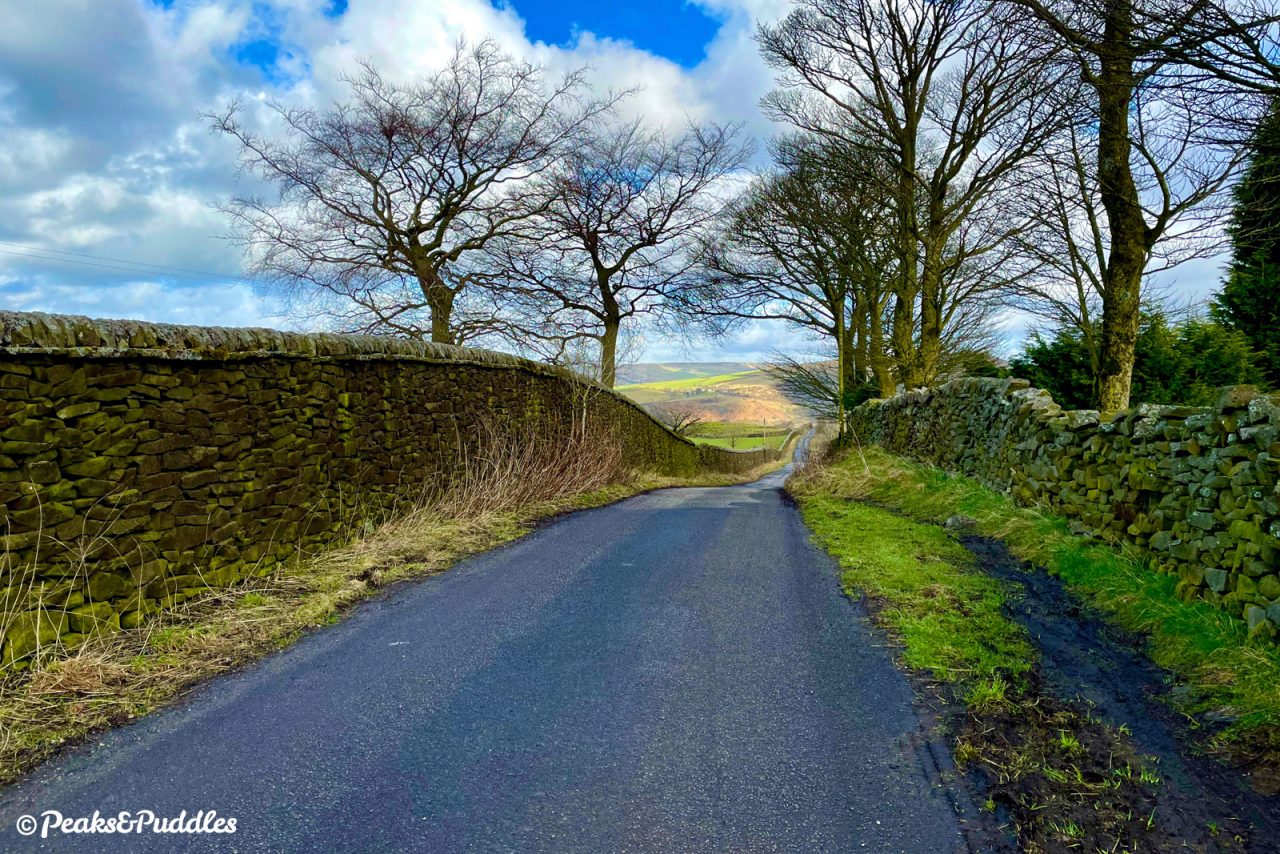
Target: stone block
{"type": "Point", "coordinates": [1203, 521]}
{"type": "Point", "coordinates": [109, 585]}
{"type": "Point", "coordinates": [1269, 587]}
{"type": "Point", "coordinates": [1254, 615]}
{"type": "Point", "coordinates": [95, 616]}
{"type": "Point", "coordinates": [29, 631]}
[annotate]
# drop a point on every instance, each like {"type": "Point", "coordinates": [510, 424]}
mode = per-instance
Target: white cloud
{"type": "Point", "coordinates": [756, 341]}
{"type": "Point", "coordinates": [1193, 281]}
{"type": "Point", "coordinates": [104, 151]}
{"type": "Point", "coordinates": [203, 305]}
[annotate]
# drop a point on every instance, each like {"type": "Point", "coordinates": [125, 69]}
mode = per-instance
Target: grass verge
{"type": "Point", "coordinates": [113, 678]}
{"type": "Point", "coordinates": [1207, 649]}
{"type": "Point", "coordinates": [946, 616]}
{"type": "Point", "coordinates": [1063, 778]}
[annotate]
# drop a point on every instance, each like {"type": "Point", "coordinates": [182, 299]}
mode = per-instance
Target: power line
{"type": "Point", "coordinates": [116, 268]}
{"type": "Point", "coordinates": [118, 265]}
{"type": "Point", "coordinates": [27, 248]}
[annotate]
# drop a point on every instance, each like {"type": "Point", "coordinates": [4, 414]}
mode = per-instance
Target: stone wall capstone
{"type": "Point", "coordinates": [142, 463]}
{"type": "Point", "coordinates": [1197, 489]}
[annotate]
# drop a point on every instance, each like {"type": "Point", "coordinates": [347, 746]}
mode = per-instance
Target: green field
{"type": "Point", "coordinates": [741, 443]}
{"type": "Point", "coordinates": [720, 391]}
{"type": "Point", "coordinates": [692, 384]}
{"type": "Point", "coordinates": [653, 372]}
{"type": "Point", "coordinates": [642, 394]}
{"type": "Point", "coordinates": [738, 436]}
{"type": "Point", "coordinates": [721, 429]}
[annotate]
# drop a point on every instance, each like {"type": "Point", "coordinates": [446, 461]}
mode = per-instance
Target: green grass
{"type": "Point", "coordinates": [722, 429]}
{"type": "Point", "coordinates": [684, 385]}
{"type": "Point", "coordinates": [944, 612]}
{"type": "Point", "coordinates": [642, 394]}
{"type": "Point", "coordinates": [1067, 778]}
{"type": "Point", "coordinates": [741, 443]}
{"type": "Point", "coordinates": [649, 372]}
{"type": "Point", "coordinates": [1205, 647]}
{"type": "Point", "coordinates": [740, 435]}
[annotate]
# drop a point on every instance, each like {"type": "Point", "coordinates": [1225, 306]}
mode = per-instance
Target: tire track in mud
{"type": "Point", "coordinates": [1203, 804]}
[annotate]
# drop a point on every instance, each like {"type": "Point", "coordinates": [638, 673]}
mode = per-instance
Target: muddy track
{"type": "Point", "coordinates": [1203, 804]}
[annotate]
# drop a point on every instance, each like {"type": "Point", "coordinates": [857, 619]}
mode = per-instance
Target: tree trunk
{"type": "Point", "coordinates": [860, 335]}
{"type": "Point", "coordinates": [1120, 323]}
{"type": "Point", "coordinates": [881, 364]}
{"type": "Point", "coordinates": [907, 288]}
{"type": "Point", "coordinates": [904, 345]}
{"type": "Point", "coordinates": [1130, 242]}
{"type": "Point", "coordinates": [612, 323]}
{"type": "Point", "coordinates": [929, 354]}
{"type": "Point", "coordinates": [854, 363]}
{"type": "Point", "coordinates": [609, 351]}
{"type": "Point", "coordinates": [905, 293]}
{"type": "Point", "coordinates": [842, 366]}
{"type": "Point", "coordinates": [440, 301]}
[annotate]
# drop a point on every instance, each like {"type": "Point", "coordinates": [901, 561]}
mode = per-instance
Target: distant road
{"type": "Point", "coordinates": [675, 672]}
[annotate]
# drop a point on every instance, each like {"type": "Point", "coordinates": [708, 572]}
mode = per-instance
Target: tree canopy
{"type": "Point", "coordinates": [1176, 363]}
{"type": "Point", "coordinates": [1250, 298]}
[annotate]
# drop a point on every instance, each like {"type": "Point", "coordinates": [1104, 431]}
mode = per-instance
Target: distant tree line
{"type": "Point", "coordinates": [944, 162]}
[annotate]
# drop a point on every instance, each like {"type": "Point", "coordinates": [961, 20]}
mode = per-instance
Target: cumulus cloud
{"type": "Point", "coordinates": [104, 152]}
{"type": "Point", "coordinates": [161, 302]}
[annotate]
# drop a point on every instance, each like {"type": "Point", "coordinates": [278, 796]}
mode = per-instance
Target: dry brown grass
{"type": "Point", "coordinates": [497, 496]}
{"type": "Point", "coordinates": [25, 589]}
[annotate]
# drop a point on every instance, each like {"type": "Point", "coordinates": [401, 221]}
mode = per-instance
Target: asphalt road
{"type": "Point", "coordinates": [675, 672]}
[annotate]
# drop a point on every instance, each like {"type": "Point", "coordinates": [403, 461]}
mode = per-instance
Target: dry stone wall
{"type": "Point", "coordinates": [141, 463]}
{"type": "Point", "coordinates": [1196, 489]}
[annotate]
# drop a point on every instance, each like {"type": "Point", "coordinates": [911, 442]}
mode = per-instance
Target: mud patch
{"type": "Point", "coordinates": [1062, 780]}
{"type": "Point", "coordinates": [1094, 684]}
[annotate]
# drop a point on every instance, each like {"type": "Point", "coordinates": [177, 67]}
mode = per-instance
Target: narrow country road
{"type": "Point", "coordinates": [676, 672]}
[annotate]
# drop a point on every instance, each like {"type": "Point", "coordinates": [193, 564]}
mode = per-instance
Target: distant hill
{"type": "Point", "coordinates": [713, 391]}
{"type": "Point", "coordinates": [654, 372]}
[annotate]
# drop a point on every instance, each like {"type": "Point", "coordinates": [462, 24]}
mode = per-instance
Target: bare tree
{"type": "Point", "coordinates": [806, 244]}
{"type": "Point", "coordinates": [682, 420]}
{"type": "Point", "coordinates": [1065, 251]}
{"type": "Point", "coordinates": [813, 385]}
{"type": "Point", "coordinates": [1171, 89]}
{"type": "Point", "coordinates": [950, 100]}
{"type": "Point", "coordinates": [618, 237]}
{"type": "Point", "coordinates": [384, 200]}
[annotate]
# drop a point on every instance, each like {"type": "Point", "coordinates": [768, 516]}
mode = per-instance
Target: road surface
{"type": "Point", "coordinates": [675, 672]}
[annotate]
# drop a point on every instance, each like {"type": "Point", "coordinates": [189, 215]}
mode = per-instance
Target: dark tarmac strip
{"type": "Point", "coordinates": [675, 672]}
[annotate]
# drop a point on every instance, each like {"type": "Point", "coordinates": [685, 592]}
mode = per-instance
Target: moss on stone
{"type": "Point", "coordinates": [170, 457]}
{"type": "Point", "coordinates": [1194, 488]}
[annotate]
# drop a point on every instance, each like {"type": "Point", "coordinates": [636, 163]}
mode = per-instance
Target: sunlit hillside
{"type": "Point", "coordinates": [656, 372]}
{"type": "Point", "coordinates": [743, 393]}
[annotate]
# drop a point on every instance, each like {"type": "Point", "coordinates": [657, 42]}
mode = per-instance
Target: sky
{"type": "Point", "coordinates": [108, 175]}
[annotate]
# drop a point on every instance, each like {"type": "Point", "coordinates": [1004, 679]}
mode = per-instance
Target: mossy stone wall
{"type": "Point", "coordinates": [142, 463]}
{"type": "Point", "coordinates": [1196, 489]}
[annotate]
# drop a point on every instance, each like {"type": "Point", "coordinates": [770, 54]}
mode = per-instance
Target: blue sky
{"type": "Point", "coordinates": [108, 175]}
{"type": "Point", "coordinates": [674, 29]}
